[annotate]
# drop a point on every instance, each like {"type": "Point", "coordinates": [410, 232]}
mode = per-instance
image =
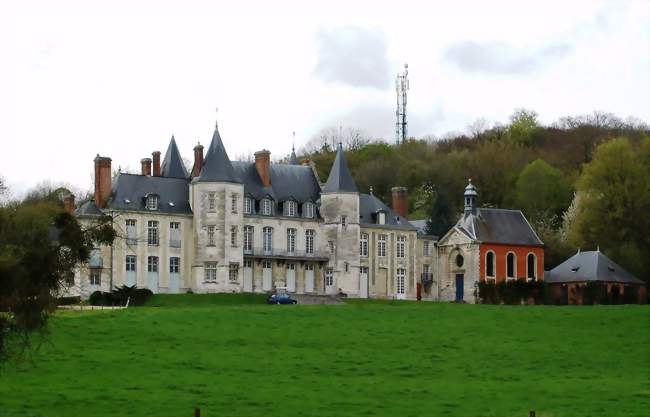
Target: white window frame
{"type": "Point", "coordinates": [329, 277]}
{"type": "Point", "coordinates": [494, 265]}
{"type": "Point", "coordinates": [174, 265]}
{"type": "Point", "coordinates": [309, 241]}
{"type": "Point", "coordinates": [363, 245]}
{"type": "Point", "coordinates": [233, 272]}
{"type": "Point", "coordinates": [381, 218]}
{"type": "Point", "coordinates": [210, 269]}
{"type": "Point", "coordinates": [267, 207]}
{"type": "Point", "coordinates": [267, 264]}
{"type": "Point", "coordinates": [290, 208]}
{"type": "Point", "coordinates": [152, 202]}
{"type": "Point", "coordinates": [291, 240]}
{"type": "Point", "coordinates": [211, 229]}
{"type": "Point", "coordinates": [248, 205]}
{"type": "Point", "coordinates": [381, 246]}
{"type": "Point", "coordinates": [153, 233]}
{"type": "Point", "coordinates": [534, 277]}
{"type": "Point", "coordinates": [514, 265]}
{"type": "Point", "coordinates": [400, 251]}
{"type": "Point", "coordinates": [152, 264]}
{"type": "Point", "coordinates": [131, 232]}
{"type": "Point", "coordinates": [248, 238]}
{"type": "Point", "coordinates": [174, 234]}
{"type": "Point", "coordinates": [400, 281]}
{"type": "Point", "coordinates": [308, 210]}
{"type": "Point", "coordinates": [426, 249]}
{"type": "Point", "coordinates": [267, 239]}
{"type": "Point", "coordinates": [95, 277]}
{"type": "Point", "coordinates": [131, 262]}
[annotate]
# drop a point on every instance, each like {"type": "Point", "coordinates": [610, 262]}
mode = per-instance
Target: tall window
{"type": "Point", "coordinates": [211, 235]}
{"type": "Point", "coordinates": [329, 277]}
{"type": "Point", "coordinates": [131, 232]}
{"type": "Point", "coordinates": [344, 221]}
{"type": "Point", "coordinates": [212, 201]}
{"type": "Point", "coordinates": [363, 245]}
{"type": "Point", "coordinates": [510, 265]}
{"type": "Point", "coordinates": [174, 265]}
{"type": "Point", "coordinates": [531, 266]}
{"type": "Point", "coordinates": [210, 272]}
{"type": "Point", "coordinates": [427, 248]}
{"type": "Point", "coordinates": [309, 241]}
{"type": "Point", "coordinates": [266, 207]}
{"type": "Point", "coordinates": [290, 208]}
{"type": "Point", "coordinates": [381, 245]}
{"type": "Point", "coordinates": [381, 218]}
{"type": "Point", "coordinates": [489, 264]}
{"type": "Point", "coordinates": [426, 272]}
{"type": "Point", "coordinates": [248, 205]}
{"type": "Point", "coordinates": [95, 260]}
{"type": "Point", "coordinates": [95, 277]}
{"type": "Point", "coordinates": [248, 238]}
{"type": "Point", "coordinates": [308, 210]}
{"type": "Point", "coordinates": [152, 202]}
{"type": "Point", "coordinates": [233, 203]}
{"type": "Point", "coordinates": [175, 234]}
{"type": "Point", "coordinates": [233, 271]}
{"type": "Point", "coordinates": [152, 264]}
{"type": "Point", "coordinates": [401, 272]}
{"type": "Point", "coordinates": [130, 263]}
{"type": "Point", "coordinates": [401, 246]}
{"type": "Point", "coordinates": [233, 236]}
{"type": "Point", "coordinates": [291, 240]}
{"type": "Point", "coordinates": [152, 233]}
{"type": "Point", "coordinates": [267, 234]}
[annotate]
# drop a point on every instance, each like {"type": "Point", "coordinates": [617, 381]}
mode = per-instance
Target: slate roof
{"type": "Point", "coordinates": [369, 206]}
{"type": "Point", "coordinates": [88, 209]}
{"type": "Point", "coordinates": [491, 225]}
{"type": "Point", "coordinates": [590, 266]}
{"type": "Point", "coordinates": [295, 182]}
{"type": "Point", "coordinates": [135, 188]}
{"type": "Point", "coordinates": [217, 165]}
{"type": "Point", "coordinates": [421, 226]}
{"type": "Point", "coordinates": [172, 165]}
{"type": "Point", "coordinates": [340, 179]}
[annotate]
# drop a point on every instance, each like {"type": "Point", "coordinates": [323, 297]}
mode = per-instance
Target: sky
{"type": "Point", "coordinates": [81, 78]}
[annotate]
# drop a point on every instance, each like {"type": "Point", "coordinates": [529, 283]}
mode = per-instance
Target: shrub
{"type": "Point", "coordinates": [513, 292]}
{"type": "Point", "coordinates": [66, 301]}
{"type": "Point", "coordinates": [119, 296]}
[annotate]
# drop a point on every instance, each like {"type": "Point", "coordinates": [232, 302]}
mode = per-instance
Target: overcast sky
{"type": "Point", "coordinates": [77, 80]}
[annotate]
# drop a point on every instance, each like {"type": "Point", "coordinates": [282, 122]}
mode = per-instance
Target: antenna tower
{"type": "Point", "coordinates": [401, 88]}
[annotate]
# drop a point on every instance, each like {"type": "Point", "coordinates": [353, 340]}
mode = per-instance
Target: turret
{"type": "Point", "coordinates": [470, 198]}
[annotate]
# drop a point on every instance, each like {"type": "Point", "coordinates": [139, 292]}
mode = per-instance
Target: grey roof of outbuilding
{"type": "Point", "coordinates": [340, 179]}
{"type": "Point", "coordinates": [135, 189]}
{"type": "Point", "coordinates": [172, 165]}
{"type": "Point", "coordinates": [370, 205]}
{"type": "Point", "coordinates": [217, 165]}
{"type": "Point", "coordinates": [421, 226]}
{"type": "Point", "coordinates": [492, 225]}
{"type": "Point", "coordinates": [88, 209]}
{"type": "Point", "coordinates": [590, 266]}
{"type": "Point", "coordinates": [287, 182]}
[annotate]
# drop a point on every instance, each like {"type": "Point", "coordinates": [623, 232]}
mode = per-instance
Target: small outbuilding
{"type": "Point", "coordinates": [592, 278]}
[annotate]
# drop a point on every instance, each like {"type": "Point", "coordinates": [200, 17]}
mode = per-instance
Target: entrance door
{"type": "Point", "coordinates": [400, 284]}
{"type": "Point", "coordinates": [309, 277]}
{"type": "Point", "coordinates": [460, 286]}
{"type": "Point", "coordinates": [248, 275]}
{"type": "Point", "coordinates": [329, 282]}
{"type": "Point", "coordinates": [267, 274]}
{"type": "Point", "coordinates": [363, 282]}
{"type": "Point", "coordinates": [291, 277]}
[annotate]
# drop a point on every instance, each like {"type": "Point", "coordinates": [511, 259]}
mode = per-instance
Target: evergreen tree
{"type": "Point", "coordinates": [442, 217]}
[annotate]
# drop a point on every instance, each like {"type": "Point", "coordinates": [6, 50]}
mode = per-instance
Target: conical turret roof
{"type": "Point", "coordinates": [172, 165]}
{"type": "Point", "coordinates": [293, 159]}
{"type": "Point", "coordinates": [217, 165]}
{"type": "Point", "coordinates": [340, 179]}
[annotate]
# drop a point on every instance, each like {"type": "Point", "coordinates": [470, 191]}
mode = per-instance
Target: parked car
{"type": "Point", "coordinates": [281, 299]}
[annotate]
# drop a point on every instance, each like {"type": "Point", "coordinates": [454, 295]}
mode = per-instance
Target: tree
{"type": "Point", "coordinates": [542, 192]}
{"type": "Point", "coordinates": [442, 216]}
{"type": "Point", "coordinates": [523, 124]}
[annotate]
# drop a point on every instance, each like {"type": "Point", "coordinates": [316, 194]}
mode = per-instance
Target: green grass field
{"type": "Point", "coordinates": [233, 357]}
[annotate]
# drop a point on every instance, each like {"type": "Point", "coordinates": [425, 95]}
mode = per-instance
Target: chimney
{"type": "Point", "coordinates": [263, 166]}
{"type": "Point", "coordinates": [400, 200]}
{"type": "Point", "coordinates": [69, 205]}
{"type": "Point", "coordinates": [146, 166]}
{"type": "Point", "coordinates": [198, 160]}
{"type": "Point", "coordinates": [102, 180]}
{"type": "Point", "coordinates": [155, 156]}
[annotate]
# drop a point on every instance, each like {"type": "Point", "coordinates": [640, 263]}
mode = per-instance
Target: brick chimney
{"type": "Point", "coordinates": [146, 166]}
{"type": "Point", "coordinates": [69, 205]}
{"type": "Point", "coordinates": [263, 166]}
{"type": "Point", "coordinates": [102, 180]}
{"type": "Point", "coordinates": [198, 160]}
{"type": "Point", "coordinates": [400, 200]}
{"type": "Point", "coordinates": [155, 156]}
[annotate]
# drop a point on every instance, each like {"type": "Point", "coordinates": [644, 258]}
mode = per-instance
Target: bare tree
{"type": "Point", "coordinates": [477, 128]}
{"type": "Point", "coordinates": [328, 138]}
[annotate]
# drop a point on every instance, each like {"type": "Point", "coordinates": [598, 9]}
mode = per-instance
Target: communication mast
{"type": "Point", "coordinates": [401, 88]}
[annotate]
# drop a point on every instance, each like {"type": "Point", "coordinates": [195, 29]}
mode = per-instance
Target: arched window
{"type": "Point", "coordinates": [511, 262]}
{"type": "Point", "coordinates": [531, 266]}
{"type": "Point", "coordinates": [489, 264]}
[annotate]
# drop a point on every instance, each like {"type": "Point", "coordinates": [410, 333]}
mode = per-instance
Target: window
{"type": "Point", "coordinates": [347, 267]}
{"type": "Point", "coordinates": [248, 263]}
{"type": "Point", "coordinates": [267, 233]}
{"type": "Point", "coordinates": [233, 272]}
{"type": "Point", "coordinates": [381, 245]}
{"type": "Point", "coordinates": [266, 207]}
{"type": "Point", "coordinates": [401, 272]}
{"type": "Point", "coordinates": [329, 277]}
{"type": "Point", "coordinates": [460, 260]}
{"type": "Point", "coordinates": [212, 201]}
{"type": "Point", "coordinates": [95, 277]}
{"type": "Point", "coordinates": [174, 235]}
{"type": "Point", "coordinates": [531, 266]}
{"type": "Point", "coordinates": [131, 232]}
{"type": "Point", "coordinates": [330, 246]}
{"type": "Point", "coordinates": [130, 263]}
{"type": "Point", "coordinates": [248, 238]}
{"type": "Point", "coordinates": [381, 218]}
{"type": "Point", "coordinates": [233, 236]}
{"type": "Point", "coordinates": [290, 208]}
{"type": "Point", "coordinates": [248, 205]}
{"type": "Point", "coordinates": [210, 272]}
{"type": "Point", "coordinates": [152, 202]}
{"type": "Point", "coordinates": [510, 265]}
{"type": "Point", "coordinates": [152, 264]}
{"type": "Point", "coordinates": [309, 241]}
{"type": "Point", "coordinates": [95, 260]}
{"type": "Point", "coordinates": [426, 250]}
{"type": "Point", "coordinates": [489, 264]}
{"type": "Point", "coordinates": [291, 240]}
{"type": "Point", "coordinates": [210, 235]}
{"type": "Point", "coordinates": [401, 246]}
{"type": "Point", "coordinates": [344, 221]}
{"type": "Point", "coordinates": [426, 272]}
{"type": "Point", "coordinates": [174, 265]}
{"type": "Point", "coordinates": [363, 245]}
{"type": "Point", "coordinates": [308, 210]}
{"type": "Point", "coordinates": [233, 203]}
{"type": "Point", "coordinates": [152, 233]}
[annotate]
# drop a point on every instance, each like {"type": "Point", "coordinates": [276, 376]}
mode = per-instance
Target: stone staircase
{"type": "Point", "coordinates": [317, 299]}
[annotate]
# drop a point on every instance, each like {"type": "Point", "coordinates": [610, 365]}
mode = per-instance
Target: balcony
{"type": "Point", "coordinates": [284, 254]}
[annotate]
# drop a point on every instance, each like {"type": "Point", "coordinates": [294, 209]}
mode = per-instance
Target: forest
{"type": "Point", "coordinates": [582, 181]}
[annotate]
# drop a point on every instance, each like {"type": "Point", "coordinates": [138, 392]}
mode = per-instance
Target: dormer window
{"type": "Point", "coordinates": [290, 208]}
{"type": "Point", "coordinates": [248, 205]}
{"type": "Point", "coordinates": [152, 202]}
{"type": "Point", "coordinates": [381, 218]}
{"type": "Point", "coordinates": [308, 210]}
{"type": "Point", "coordinates": [267, 207]}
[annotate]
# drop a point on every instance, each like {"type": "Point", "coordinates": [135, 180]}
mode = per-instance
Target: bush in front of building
{"type": "Point", "coordinates": [119, 296]}
{"type": "Point", "coordinates": [67, 301]}
{"type": "Point", "coordinates": [512, 292]}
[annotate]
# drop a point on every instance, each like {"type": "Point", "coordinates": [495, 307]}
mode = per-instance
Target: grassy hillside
{"type": "Point", "coordinates": [379, 359]}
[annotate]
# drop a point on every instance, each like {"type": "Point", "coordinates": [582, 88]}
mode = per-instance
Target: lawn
{"type": "Point", "coordinates": [233, 356]}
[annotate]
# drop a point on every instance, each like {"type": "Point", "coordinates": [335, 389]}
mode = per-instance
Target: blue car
{"type": "Point", "coordinates": [281, 299]}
